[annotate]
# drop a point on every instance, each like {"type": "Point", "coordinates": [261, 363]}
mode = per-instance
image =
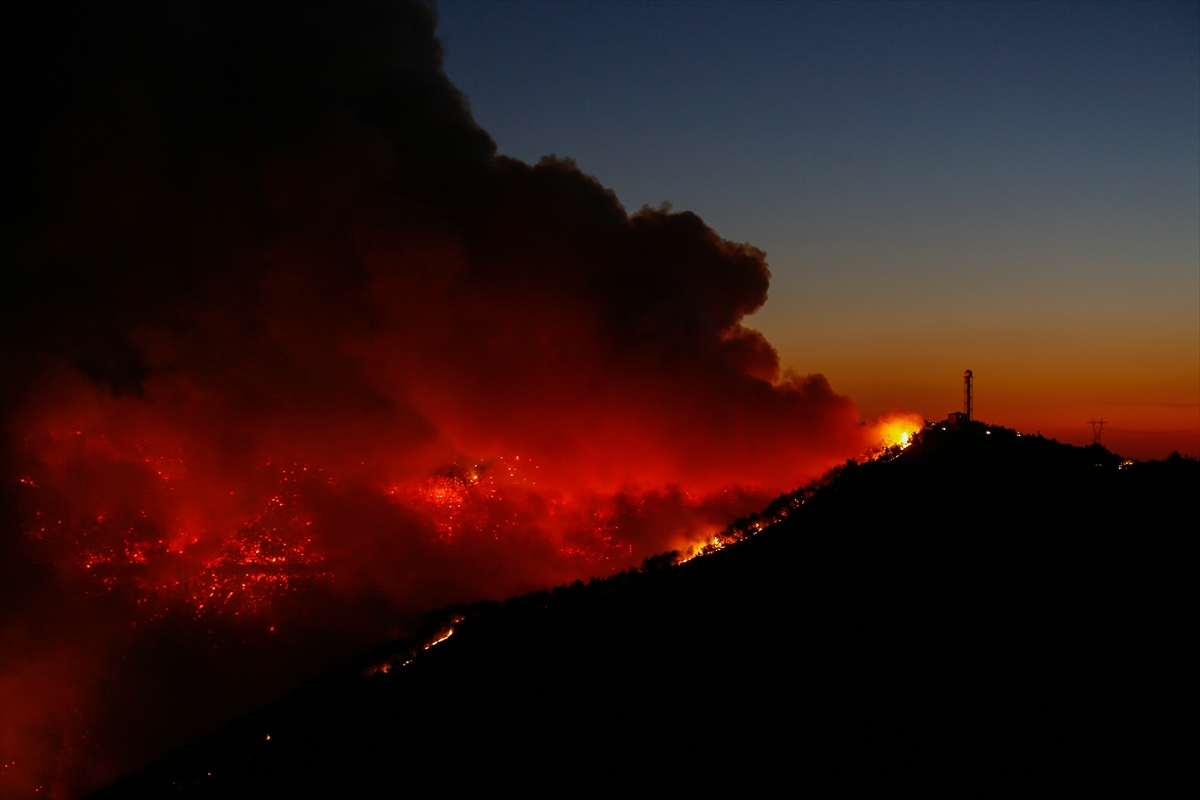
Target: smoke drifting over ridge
{"type": "Point", "coordinates": [293, 356]}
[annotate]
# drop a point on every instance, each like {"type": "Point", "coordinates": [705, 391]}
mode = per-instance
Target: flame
{"type": "Point", "coordinates": [441, 638]}
{"type": "Point", "coordinates": [893, 432]}
{"type": "Point", "coordinates": [742, 529]}
{"type": "Point", "coordinates": [404, 659]}
{"type": "Point", "coordinates": [168, 539]}
{"type": "Point", "coordinates": [135, 507]}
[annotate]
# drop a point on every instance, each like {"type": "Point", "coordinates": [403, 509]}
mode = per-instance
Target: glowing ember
{"type": "Point", "coordinates": [404, 659]}
{"type": "Point", "coordinates": [228, 563]}
{"type": "Point", "coordinates": [239, 556]}
{"type": "Point", "coordinates": [440, 639]}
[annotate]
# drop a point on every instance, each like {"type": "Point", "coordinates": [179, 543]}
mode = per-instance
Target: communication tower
{"type": "Point", "coordinates": [967, 394]}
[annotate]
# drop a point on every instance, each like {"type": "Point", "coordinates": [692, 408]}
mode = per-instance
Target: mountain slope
{"type": "Point", "coordinates": [984, 610]}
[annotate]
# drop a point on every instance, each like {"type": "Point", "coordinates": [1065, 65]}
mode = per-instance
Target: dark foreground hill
{"type": "Point", "coordinates": [984, 611]}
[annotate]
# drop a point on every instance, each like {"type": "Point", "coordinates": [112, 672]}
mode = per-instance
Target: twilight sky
{"type": "Point", "coordinates": [1013, 188]}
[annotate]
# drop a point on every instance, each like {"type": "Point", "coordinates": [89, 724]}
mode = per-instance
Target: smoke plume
{"type": "Point", "coordinates": [291, 355]}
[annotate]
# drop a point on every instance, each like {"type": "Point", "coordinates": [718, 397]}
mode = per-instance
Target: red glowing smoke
{"type": "Point", "coordinates": [295, 357]}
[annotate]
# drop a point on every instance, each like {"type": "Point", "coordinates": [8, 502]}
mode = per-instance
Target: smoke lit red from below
{"type": "Point", "coordinates": [151, 497]}
{"type": "Point", "coordinates": [180, 510]}
{"type": "Point", "coordinates": [297, 357]}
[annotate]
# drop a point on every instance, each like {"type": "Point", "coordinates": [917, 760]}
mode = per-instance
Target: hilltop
{"type": "Point", "coordinates": [982, 609]}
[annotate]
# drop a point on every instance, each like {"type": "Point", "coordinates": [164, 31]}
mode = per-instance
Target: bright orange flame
{"type": "Point", "coordinates": [896, 429]}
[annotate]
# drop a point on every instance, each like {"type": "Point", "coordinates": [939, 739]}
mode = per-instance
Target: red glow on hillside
{"type": "Point", "coordinates": [297, 357]}
{"type": "Point", "coordinates": [281, 501]}
{"type": "Point", "coordinates": [119, 510]}
{"type": "Point", "coordinates": [154, 524]}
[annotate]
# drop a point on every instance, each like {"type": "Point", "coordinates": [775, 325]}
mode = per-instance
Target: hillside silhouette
{"type": "Point", "coordinates": [982, 610]}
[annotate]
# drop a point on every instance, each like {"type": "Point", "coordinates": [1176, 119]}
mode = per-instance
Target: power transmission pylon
{"type": "Point", "coordinates": [1097, 428]}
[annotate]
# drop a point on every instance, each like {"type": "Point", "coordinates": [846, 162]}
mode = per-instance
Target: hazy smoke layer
{"type": "Point", "coordinates": [291, 356]}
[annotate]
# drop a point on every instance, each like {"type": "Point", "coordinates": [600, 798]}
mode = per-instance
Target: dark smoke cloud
{"type": "Point", "coordinates": [291, 355]}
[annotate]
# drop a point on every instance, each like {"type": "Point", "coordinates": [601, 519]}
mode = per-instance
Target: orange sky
{"type": "Point", "coordinates": [1137, 368]}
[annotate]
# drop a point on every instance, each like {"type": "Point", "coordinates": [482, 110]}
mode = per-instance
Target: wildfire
{"type": "Point", "coordinates": [143, 538]}
{"type": "Point", "coordinates": [406, 658]}
{"type": "Point", "coordinates": [443, 637]}
{"type": "Point", "coordinates": [456, 500]}
{"type": "Point", "coordinates": [155, 553]}
{"type": "Point", "coordinates": [744, 528]}
{"type": "Point", "coordinates": [894, 432]}
{"type": "Point", "coordinates": [238, 550]}
{"type": "Point", "coordinates": [315, 381]}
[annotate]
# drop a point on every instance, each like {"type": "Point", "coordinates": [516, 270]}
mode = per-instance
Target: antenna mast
{"type": "Point", "coordinates": [967, 394]}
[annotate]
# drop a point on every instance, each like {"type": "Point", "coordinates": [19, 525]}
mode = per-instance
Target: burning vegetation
{"type": "Point", "coordinates": [1023, 596]}
{"type": "Point", "coordinates": [293, 356]}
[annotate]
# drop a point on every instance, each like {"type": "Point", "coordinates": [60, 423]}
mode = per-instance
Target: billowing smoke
{"type": "Point", "coordinates": [291, 356]}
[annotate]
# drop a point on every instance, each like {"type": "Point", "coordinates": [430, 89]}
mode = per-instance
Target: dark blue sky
{"type": "Point", "coordinates": [1012, 187]}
